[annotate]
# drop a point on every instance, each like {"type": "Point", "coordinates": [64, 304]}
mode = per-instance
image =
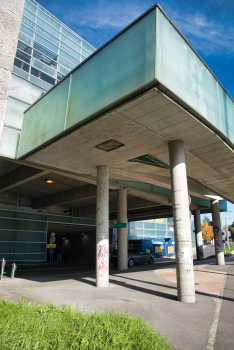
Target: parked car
{"type": "Point", "coordinates": [134, 257]}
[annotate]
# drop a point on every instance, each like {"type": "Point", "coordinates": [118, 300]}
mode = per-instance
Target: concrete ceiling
{"type": "Point", "coordinates": [144, 125]}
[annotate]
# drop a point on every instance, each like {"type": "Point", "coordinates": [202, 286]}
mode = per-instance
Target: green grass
{"type": "Point", "coordinates": [30, 327]}
{"type": "Point", "coordinates": [227, 252]}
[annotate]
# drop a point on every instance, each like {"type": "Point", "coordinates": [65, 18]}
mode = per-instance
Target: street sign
{"type": "Point", "coordinates": [50, 245]}
{"type": "Point", "coordinates": [216, 229]}
{"type": "Point", "coordinates": [119, 225]}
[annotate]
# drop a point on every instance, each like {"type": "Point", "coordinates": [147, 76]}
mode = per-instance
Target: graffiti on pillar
{"type": "Point", "coordinates": [189, 268]}
{"type": "Point", "coordinates": [183, 233]}
{"type": "Point", "coordinates": [102, 258]}
{"type": "Point", "coordinates": [185, 254]}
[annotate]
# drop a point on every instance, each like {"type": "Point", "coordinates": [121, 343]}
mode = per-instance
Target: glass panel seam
{"type": "Point", "coordinates": [11, 127]}
{"type": "Point", "coordinates": [68, 93]}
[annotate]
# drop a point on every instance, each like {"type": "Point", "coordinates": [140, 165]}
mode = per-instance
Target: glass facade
{"type": "Point", "coordinates": [47, 50]}
{"type": "Point", "coordinates": [154, 228]}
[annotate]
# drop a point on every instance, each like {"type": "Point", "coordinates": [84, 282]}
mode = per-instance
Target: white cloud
{"type": "Point", "coordinates": [209, 36]}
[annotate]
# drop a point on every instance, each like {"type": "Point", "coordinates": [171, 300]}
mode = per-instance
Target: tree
{"type": "Point", "coordinates": [207, 231]}
{"type": "Point", "coordinates": [231, 229]}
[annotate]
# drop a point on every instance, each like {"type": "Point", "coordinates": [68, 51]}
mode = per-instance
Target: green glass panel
{"type": "Point", "coordinates": [45, 120]}
{"type": "Point", "coordinates": [30, 225]}
{"type": "Point", "coordinates": [29, 248]}
{"type": "Point", "coordinates": [9, 144]}
{"type": "Point", "coordinates": [6, 247]}
{"type": "Point", "coordinates": [6, 235]}
{"type": "Point", "coordinates": [30, 236]}
{"type": "Point", "coordinates": [181, 70]}
{"type": "Point", "coordinates": [121, 67]}
{"type": "Point", "coordinates": [15, 112]}
{"type": "Point", "coordinates": [227, 114]}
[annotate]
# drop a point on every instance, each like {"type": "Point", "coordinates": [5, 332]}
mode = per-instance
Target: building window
{"type": "Point", "coordinates": [37, 73]}
{"type": "Point", "coordinates": [23, 56]}
{"type": "Point", "coordinates": [24, 47]}
{"type": "Point", "coordinates": [45, 55]}
{"type": "Point", "coordinates": [24, 66]}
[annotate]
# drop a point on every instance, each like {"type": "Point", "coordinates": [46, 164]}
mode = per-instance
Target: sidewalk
{"type": "Point", "coordinates": [146, 290]}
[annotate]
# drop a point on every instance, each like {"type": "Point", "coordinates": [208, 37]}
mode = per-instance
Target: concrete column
{"type": "Point", "coordinates": [102, 227]}
{"type": "Point", "coordinates": [122, 233]}
{"type": "Point", "coordinates": [181, 218]}
{"type": "Point", "coordinates": [217, 236]}
{"type": "Point", "coordinates": [198, 235]}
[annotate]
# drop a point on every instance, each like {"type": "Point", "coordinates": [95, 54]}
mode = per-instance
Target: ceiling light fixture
{"type": "Point", "coordinates": [109, 145]}
{"type": "Point", "coordinates": [49, 181]}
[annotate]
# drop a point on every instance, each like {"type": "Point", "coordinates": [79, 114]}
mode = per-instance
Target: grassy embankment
{"type": "Point", "coordinates": [31, 327]}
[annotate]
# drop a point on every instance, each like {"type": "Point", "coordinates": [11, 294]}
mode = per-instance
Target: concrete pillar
{"type": "Point", "coordinates": [181, 218]}
{"type": "Point", "coordinates": [102, 227]}
{"type": "Point", "coordinates": [198, 235]}
{"type": "Point", "coordinates": [217, 236]}
{"type": "Point", "coordinates": [122, 233]}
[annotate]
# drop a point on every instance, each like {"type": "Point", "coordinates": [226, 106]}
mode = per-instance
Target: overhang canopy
{"type": "Point", "coordinates": [144, 88]}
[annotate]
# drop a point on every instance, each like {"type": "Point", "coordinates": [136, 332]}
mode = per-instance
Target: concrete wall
{"type": "Point", "coordinates": [78, 248]}
{"type": "Point", "coordinates": [10, 20]}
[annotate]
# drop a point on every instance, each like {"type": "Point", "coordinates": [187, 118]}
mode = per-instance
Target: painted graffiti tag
{"type": "Point", "coordinates": [102, 268]}
{"type": "Point", "coordinates": [102, 255]}
{"type": "Point", "coordinates": [102, 251]}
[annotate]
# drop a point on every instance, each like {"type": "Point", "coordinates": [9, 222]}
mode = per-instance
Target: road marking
{"type": "Point", "coordinates": [213, 330]}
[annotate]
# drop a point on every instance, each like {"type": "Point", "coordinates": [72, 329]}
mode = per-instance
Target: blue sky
{"type": "Point", "coordinates": [207, 24]}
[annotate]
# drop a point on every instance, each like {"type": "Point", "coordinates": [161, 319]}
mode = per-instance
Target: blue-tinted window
{"type": "Point", "coordinates": [42, 76]}
{"type": "Point", "coordinates": [29, 14]}
{"type": "Point", "coordinates": [71, 35]}
{"type": "Point", "coordinates": [26, 30]}
{"type": "Point", "coordinates": [68, 57]}
{"type": "Point", "coordinates": [87, 47]}
{"type": "Point", "coordinates": [60, 76]}
{"type": "Point", "coordinates": [46, 52]}
{"type": "Point", "coordinates": [35, 72]}
{"type": "Point", "coordinates": [23, 56]}
{"type": "Point", "coordinates": [25, 39]}
{"type": "Point", "coordinates": [22, 65]}
{"type": "Point", "coordinates": [23, 47]}
{"type": "Point", "coordinates": [65, 63]}
{"type": "Point", "coordinates": [30, 6]}
{"type": "Point", "coordinates": [46, 26]}
{"type": "Point", "coordinates": [71, 43]}
{"type": "Point", "coordinates": [46, 43]}
{"type": "Point", "coordinates": [43, 58]}
{"type": "Point", "coordinates": [48, 19]}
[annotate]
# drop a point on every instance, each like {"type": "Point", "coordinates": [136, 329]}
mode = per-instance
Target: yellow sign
{"type": "Point", "coordinates": [50, 245]}
{"type": "Point", "coordinates": [170, 250]}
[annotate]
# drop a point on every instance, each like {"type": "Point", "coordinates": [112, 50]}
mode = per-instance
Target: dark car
{"type": "Point", "coordinates": [134, 257]}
